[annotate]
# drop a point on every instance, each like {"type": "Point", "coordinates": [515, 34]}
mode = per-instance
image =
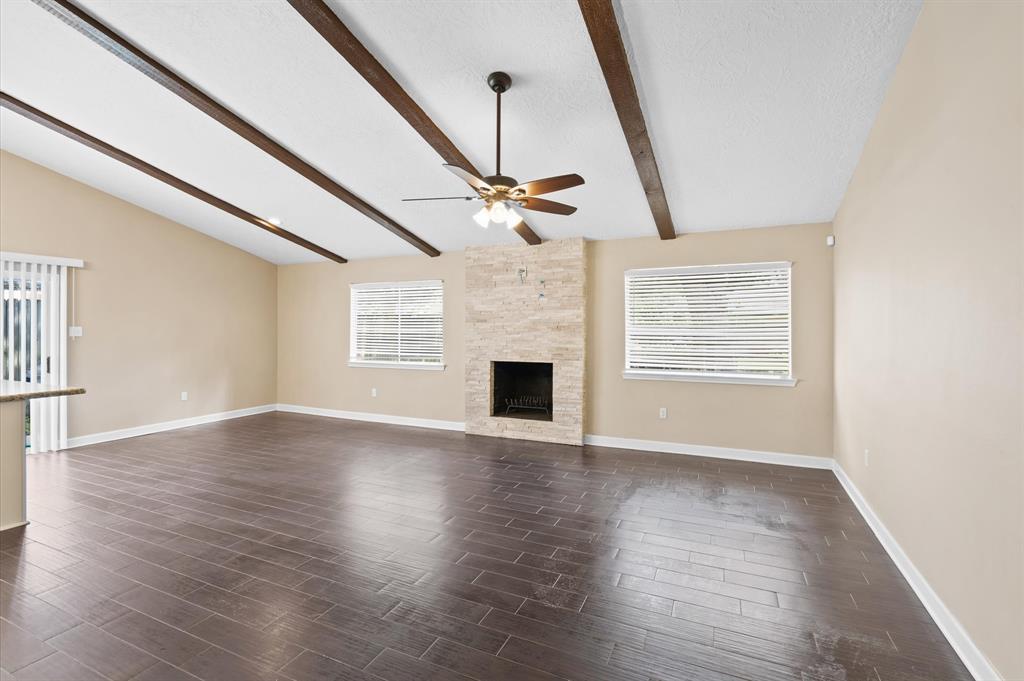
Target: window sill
{"type": "Point", "coordinates": [396, 365]}
{"type": "Point", "coordinates": [649, 375]}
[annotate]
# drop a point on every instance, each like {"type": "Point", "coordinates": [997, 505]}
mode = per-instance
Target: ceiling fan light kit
{"type": "Point", "coordinates": [502, 194]}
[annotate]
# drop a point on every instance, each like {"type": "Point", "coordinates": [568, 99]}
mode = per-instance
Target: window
{"type": "Point", "coordinates": [721, 323]}
{"type": "Point", "coordinates": [397, 324]}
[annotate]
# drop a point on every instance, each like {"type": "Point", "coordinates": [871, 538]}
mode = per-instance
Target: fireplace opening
{"type": "Point", "coordinates": [521, 390]}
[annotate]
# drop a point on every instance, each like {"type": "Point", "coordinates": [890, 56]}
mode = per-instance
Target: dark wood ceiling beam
{"type": "Point", "coordinates": [71, 132]}
{"type": "Point", "coordinates": [126, 51]}
{"type": "Point", "coordinates": [330, 26]}
{"type": "Point", "coordinates": [599, 16]}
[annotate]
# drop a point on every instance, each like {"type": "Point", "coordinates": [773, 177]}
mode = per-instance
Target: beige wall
{"type": "Point", "coordinates": [313, 340]}
{"type": "Point", "coordinates": [795, 420]}
{"type": "Point", "coordinates": [313, 328]}
{"type": "Point", "coordinates": [163, 308]}
{"type": "Point", "coordinates": [928, 317]}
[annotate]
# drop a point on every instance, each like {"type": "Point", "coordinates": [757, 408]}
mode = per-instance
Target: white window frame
{"type": "Point", "coordinates": [746, 379]}
{"type": "Point", "coordinates": [365, 364]}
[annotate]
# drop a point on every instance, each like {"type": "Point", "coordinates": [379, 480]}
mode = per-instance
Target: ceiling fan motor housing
{"type": "Point", "coordinates": [501, 181]}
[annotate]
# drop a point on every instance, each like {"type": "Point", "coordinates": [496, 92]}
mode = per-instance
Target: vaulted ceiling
{"type": "Point", "coordinates": [757, 112]}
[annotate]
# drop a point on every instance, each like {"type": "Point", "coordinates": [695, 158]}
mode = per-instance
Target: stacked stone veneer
{"type": "Point", "coordinates": [537, 319]}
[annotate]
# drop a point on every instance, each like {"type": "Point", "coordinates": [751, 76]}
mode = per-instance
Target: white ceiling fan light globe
{"type": "Point", "coordinates": [483, 217]}
{"type": "Point", "coordinates": [499, 212]}
{"type": "Point", "coordinates": [514, 218]}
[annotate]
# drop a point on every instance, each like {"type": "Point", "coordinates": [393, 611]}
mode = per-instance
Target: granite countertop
{"type": "Point", "coordinates": [17, 390]}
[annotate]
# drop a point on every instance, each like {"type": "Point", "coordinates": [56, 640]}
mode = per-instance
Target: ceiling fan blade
{"type": "Point", "coordinates": [550, 184]}
{"type": "Point", "coordinates": [545, 206]}
{"type": "Point", "coordinates": [468, 177]}
{"type": "Point", "coordinates": [447, 198]}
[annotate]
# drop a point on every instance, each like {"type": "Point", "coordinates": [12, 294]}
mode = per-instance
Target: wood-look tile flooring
{"type": "Point", "coordinates": [294, 547]}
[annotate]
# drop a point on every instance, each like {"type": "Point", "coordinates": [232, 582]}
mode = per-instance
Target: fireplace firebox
{"type": "Point", "coordinates": [521, 390]}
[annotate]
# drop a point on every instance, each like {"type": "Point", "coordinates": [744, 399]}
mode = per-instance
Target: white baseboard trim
{"type": "Point", "coordinates": [778, 458]}
{"type": "Point", "coordinates": [11, 526]}
{"type": "Point", "coordinates": [975, 661]}
{"type": "Point", "coordinates": [373, 417]}
{"type": "Point", "coordinates": [151, 428]}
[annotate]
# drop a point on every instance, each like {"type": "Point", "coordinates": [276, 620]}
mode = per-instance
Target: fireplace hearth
{"type": "Point", "coordinates": [522, 390]}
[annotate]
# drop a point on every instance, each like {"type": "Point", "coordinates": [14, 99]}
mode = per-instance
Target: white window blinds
{"type": "Point", "coordinates": [721, 322]}
{"type": "Point", "coordinates": [397, 323]}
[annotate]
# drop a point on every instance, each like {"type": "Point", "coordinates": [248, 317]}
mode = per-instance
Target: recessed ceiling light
{"type": "Point", "coordinates": [274, 221]}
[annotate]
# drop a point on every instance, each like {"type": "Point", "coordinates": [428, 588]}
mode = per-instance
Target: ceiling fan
{"type": "Point", "coordinates": [502, 194]}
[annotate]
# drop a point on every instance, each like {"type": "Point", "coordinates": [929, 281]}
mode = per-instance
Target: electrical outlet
{"type": "Point", "coordinates": [663, 413]}
{"type": "Point", "coordinates": [184, 396]}
{"type": "Point", "coordinates": [373, 392]}
{"type": "Point", "coordinates": [867, 457]}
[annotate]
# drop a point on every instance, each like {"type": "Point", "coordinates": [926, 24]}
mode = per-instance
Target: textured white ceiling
{"type": "Point", "coordinates": [55, 69]}
{"type": "Point", "coordinates": [758, 111]}
{"type": "Point", "coordinates": [558, 117]}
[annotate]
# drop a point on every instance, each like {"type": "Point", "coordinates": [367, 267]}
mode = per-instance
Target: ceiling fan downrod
{"type": "Point", "coordinates": [499, 82]}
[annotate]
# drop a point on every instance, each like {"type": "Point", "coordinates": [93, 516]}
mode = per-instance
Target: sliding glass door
{"type": "Point", "coordinates": [33, 327]}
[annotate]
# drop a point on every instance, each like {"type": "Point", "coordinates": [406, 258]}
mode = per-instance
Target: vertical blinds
{"type": "Point", "coordinates": [34, 331]}
{"type": "Point", "coordinates": [722, 320]}
{"type": "Point", "coordinates": [397, 322]}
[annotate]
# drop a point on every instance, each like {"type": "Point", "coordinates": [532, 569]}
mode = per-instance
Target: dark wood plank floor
{"type": "Point", "coordinates": [294, 547]}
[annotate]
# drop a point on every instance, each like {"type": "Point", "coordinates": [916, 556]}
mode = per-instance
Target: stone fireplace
{"type": "Point", "coordinates": [525, 341]}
